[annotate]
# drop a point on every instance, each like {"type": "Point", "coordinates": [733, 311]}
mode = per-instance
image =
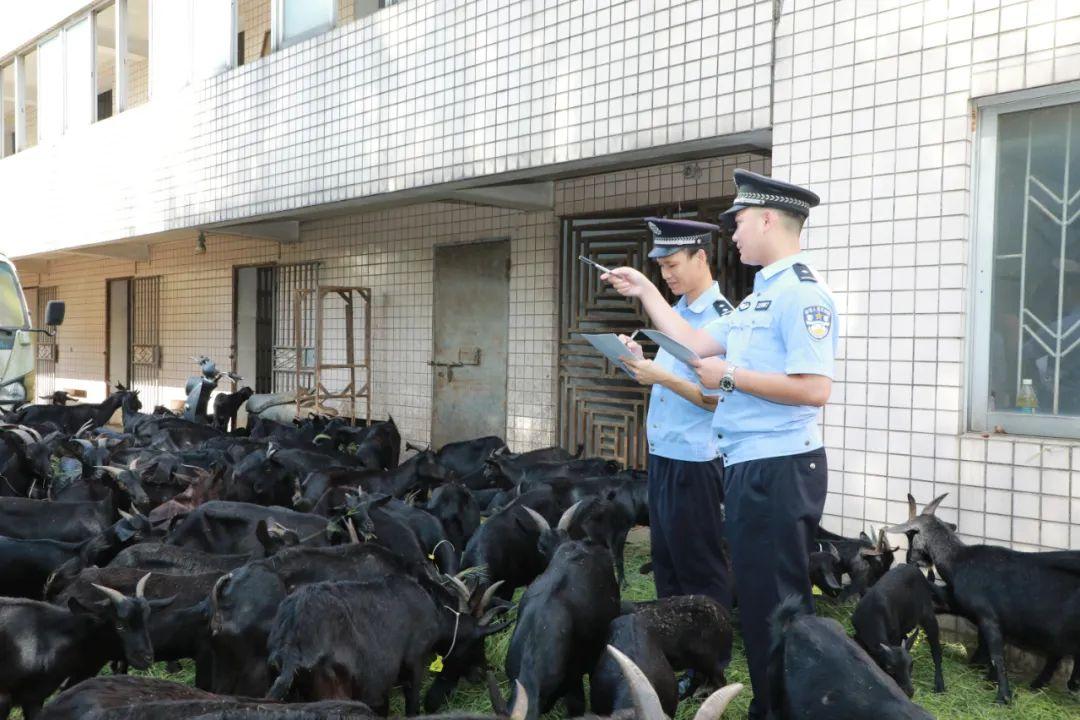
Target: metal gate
{"type": "Point", "coordinates": [145, 308]}
{"type": "Point", "coordinates": [264, 329]}
{"type": "Point", "coordinates": [47, 349]}
{"type": "Point", "coordinates": [598, 405]}
{"type": "Point", "coordinates": [294, 330]}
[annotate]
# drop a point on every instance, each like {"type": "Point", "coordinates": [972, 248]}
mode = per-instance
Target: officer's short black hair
{"type": "Point", "coordinates": [794, 219]}
{"type": "Point", "coordinates": [707, 248]}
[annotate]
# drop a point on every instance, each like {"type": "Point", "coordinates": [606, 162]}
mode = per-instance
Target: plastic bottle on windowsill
{"type": "Point", "coordinates": [1026, 402]}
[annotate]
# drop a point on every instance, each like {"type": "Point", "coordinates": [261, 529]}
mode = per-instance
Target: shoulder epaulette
{"type": "Point", "coordinates": [804, 273]}
{"type": "Point", "coordinates": [722, 307]}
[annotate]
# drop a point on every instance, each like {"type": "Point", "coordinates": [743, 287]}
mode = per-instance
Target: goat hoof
{"type": "Point", "coordinates": [1003, 699]}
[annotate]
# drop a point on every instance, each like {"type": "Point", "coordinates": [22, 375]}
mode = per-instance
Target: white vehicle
{"type": "Point", "coordinates": [16, 341]}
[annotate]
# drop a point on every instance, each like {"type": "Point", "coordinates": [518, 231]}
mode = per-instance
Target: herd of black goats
{"type": "Point", "coordinates": [308, 572]}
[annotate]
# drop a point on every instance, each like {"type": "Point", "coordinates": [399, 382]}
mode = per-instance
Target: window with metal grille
{"type": "Point", "coordinates": [1026, 314]}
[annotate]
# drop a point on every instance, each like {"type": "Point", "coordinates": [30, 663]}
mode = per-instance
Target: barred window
{"type": "Point", "coordinates": [1026, 358]}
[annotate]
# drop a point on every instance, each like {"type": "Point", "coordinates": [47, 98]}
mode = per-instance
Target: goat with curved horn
{"type": "Point", "coordinates": [932, 507]}
{"type": "Point", "coordinates": [489, 594]}
{"type": "Point", "coordinates": [541, 522]}
{"type": "Point", "coordinates": [115, 595]}
{"type": "Point", "coordinates": [715, 705]}
{"type": "Point", "coordinates": [463, 593]}
{"type": "Point", "coordinates": [140, 587]}
{"type": "Point", "coordinates": [568, 516]}
{"type": "Point", "coordinates": [646, 701]}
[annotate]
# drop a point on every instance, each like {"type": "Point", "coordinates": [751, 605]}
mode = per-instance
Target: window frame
{"type": "Point", "coordinates": [277, 27]}
{"type": "Point", "coordinates": [984, 202]}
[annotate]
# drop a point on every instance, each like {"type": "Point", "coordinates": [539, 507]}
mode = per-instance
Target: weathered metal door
{"type": "Point", "coordinates": [598, 405]}
{"type": "Point", "coordinates": [45, 365]}
{"type": "Point", "coordinates": [472, 311]}
{"type": "Point", "coordinates": [146, 339]}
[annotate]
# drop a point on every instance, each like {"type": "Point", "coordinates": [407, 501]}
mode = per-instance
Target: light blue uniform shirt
{"type": "Point", "coordinates": [677, 428]}
{"type": "Point", "coordinates": [787, 325]}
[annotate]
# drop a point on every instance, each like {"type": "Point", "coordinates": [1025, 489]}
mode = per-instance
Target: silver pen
{"type": "Point", "coordinates": [595, 264]}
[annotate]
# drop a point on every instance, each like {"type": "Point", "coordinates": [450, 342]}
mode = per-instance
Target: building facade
{"type": "Point", "coordinates": [179, 198]}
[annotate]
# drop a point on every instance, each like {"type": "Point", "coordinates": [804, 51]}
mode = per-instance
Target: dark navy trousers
{"type": "Point", "coordinates": [773, 508]}
{"type": "Point", "coordinates": [686, 524]}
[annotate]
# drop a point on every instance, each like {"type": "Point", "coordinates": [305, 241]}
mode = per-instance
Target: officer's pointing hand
{"type": "Point", "coordinates": [627, 281]}
{"type": "Point", "coordinates": [710, 370]}
{"type": "Point", "coordinates": [632, 346]}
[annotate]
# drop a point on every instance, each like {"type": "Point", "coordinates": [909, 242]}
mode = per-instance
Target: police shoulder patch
{"type": "Point", "coordinates": [818, 321]}
{"type": "Point", "coordinates": [722, 307]}
{"type": "Point", "coordinates": [804, 273]}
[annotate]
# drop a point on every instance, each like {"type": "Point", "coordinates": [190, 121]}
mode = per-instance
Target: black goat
{"type": "Point", "coordinates": [227, 405]}
{"type": "Point", "coordinates": [42, 645]}
{"type": "Point", "coordinates": [1031, 600]}
{"type": "Point", "coordinates": [563, 619]}
{"type": "Point", "coordinates": [899, 603]}
{"type": "Point", "coordinates": [814, 667]}
{"type": "Point", "coordinates": [356, 639]}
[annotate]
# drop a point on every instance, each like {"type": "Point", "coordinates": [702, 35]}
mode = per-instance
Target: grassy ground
{"type": "Point", "coordinates": [969, 697]}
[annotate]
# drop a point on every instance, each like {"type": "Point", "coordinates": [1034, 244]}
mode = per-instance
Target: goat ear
{"type": "Point", "coordinates": [262, 534]}
{"type": "Point", "coordinates": [933, 506]}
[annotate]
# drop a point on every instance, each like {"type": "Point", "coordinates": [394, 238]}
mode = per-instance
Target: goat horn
{"type": "Point", "coordinates": [911, 507]}
{"type": "Point", "coordinates": [834, 552]}
{"type": "Point", "coordinates": [488, 594]}
{"type": "Point", "coordinates": [714, 706]}
{"type": "Point", "coordinates": [217, 590]}
{"type": "Point", "coordinates": [646, 701]}
{"type": "Point", "coordinates": [521, 702]}
{"type": "Point", "coordinates": [140, 587]}
{"type": "Point", "coordinates": [540, 520]}
{"type": "Point", "coordinates": [568, 516]}
{"type": "Point", "coordinates": [354, 537]}
{"type": "Point", "coordinates": [462, 591]}
{"type": "Point", "coordinates": [33, 433]}
{"type": "Point", "coordinates": [133, 464]}
{"type": "Point", "coordinates": [933, 506]}
{"type": "Point", "coordinates": [26, 438]}
{"type": "Point", "coordinates": [114, 471]}
{"type": "Point", "coordinates": [114, 595]}
{"type": "Point", "coordinates": [124, 515]}
{"type": "Point", "coordinates": [85, 426]}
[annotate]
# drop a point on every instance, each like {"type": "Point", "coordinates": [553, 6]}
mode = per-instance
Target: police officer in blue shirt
{"type": "Point", "coordinates": [685, 472]}
{"type": "Point", "coordinates": [779, 348]}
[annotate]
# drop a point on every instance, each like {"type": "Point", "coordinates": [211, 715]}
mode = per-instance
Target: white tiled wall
{"type": "Point", "coordinates": [872, 110]}
{"type": "Point", "coordinates": [421, 93]}
{"type": "Point", "coordinates": [391, 252]}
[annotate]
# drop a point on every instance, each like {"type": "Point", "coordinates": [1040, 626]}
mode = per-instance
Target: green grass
{"type": "Point", "coordinates": [968, 696]}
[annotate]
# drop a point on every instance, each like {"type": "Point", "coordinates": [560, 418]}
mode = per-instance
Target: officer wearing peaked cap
{"type": "Point", "coordinates": [685, 471]}
{"type": "Point", "coordinates": [779, 347]}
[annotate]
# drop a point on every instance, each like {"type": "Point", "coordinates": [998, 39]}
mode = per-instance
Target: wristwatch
{"type": "Point", "coordinates": [727, 383]}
